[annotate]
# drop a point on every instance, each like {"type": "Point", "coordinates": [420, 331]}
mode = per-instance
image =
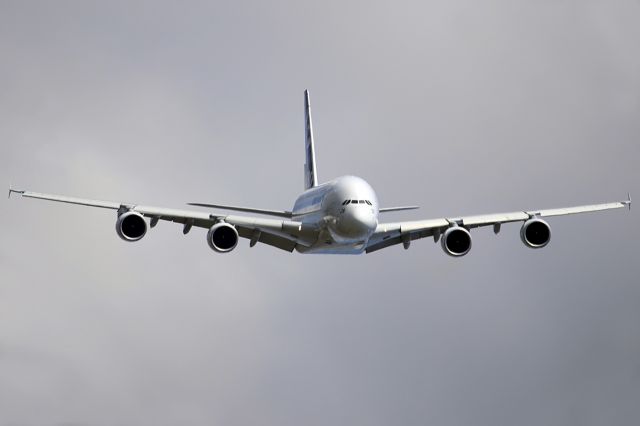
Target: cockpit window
{"type": "Point", "coordinates": [345, 202]}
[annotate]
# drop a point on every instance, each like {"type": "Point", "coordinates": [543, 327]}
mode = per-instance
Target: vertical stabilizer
{"type": "Point", "coordinates": [310, 173]}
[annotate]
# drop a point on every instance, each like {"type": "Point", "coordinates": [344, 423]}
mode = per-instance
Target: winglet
{"type": "Point", "coordinates": [11, 191]}
{"type": "Point", "coordinates": [628, 202]}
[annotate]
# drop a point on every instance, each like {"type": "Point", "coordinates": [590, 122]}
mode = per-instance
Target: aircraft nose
{"type": "Point", "coordinates": [357, 222]}
{"type": "Point", "coordinates": [365, 219]}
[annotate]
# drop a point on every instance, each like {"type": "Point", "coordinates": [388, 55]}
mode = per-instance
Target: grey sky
{"type": "Point", "coordinates": [461, 107]}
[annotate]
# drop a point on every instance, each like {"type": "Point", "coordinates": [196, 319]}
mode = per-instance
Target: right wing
{"type": "Point", "coordinates": [283, 234]}
{"type": "Point", "coordinates": [388, 234]}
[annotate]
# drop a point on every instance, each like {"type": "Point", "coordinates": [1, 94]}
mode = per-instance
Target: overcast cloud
{"type": "Point", "coordinates": [461, 107]}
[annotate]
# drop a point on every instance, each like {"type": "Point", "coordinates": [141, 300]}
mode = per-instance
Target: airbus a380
{"type": "Point", "coordinates": [340, 216]}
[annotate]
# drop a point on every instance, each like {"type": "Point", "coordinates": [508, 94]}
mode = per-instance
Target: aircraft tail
{"type": "Point", "coordinates": [310, 173]}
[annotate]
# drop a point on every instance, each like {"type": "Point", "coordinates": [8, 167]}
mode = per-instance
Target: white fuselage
{"type": "Point", "coordinates": [344, 211]}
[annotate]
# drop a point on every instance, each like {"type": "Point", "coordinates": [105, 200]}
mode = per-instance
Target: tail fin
{"type": "Point", "coordinates": [310, 173]}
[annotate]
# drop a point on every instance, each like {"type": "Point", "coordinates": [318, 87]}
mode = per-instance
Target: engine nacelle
{"type": "Point", "coordinates": [535, 233]}
{"type": "Point", "coordinates": [222, 237]}
{"type": "Point", "coordinates": [131, 226]}
{"type": "Point", "coordinates": [456, 241]}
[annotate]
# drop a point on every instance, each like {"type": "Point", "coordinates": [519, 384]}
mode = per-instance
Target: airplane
{"type": "Point", "coordinates": [336, 217]}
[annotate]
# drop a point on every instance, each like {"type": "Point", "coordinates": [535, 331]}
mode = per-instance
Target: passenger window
{"type": "Point", "coordinates": [354, 201]}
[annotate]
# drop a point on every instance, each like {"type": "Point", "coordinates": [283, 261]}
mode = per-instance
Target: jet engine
{"type": "Point", "coordinates": [222, 237]}
{"type": "Point", "coordinates": [535, 233]}
{"type": "Point", "coordinates": [456, 241]}
{"type": "Point", "coordinates": [131, 226]}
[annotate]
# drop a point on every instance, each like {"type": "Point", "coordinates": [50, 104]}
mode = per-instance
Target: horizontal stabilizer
{"type": "Point", "coordinates": [397, 209]}
{"type": "Point", "coordinates": [280, 213]}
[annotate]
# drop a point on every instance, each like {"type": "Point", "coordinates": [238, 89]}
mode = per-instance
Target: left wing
{"type": "Point", "coordinates": [388, 234]}
{"type": "Point", "coordinates": [283, 234]}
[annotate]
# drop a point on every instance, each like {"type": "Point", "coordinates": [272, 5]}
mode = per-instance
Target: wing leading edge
{"type": "Point", "coordinates": [388, 234]}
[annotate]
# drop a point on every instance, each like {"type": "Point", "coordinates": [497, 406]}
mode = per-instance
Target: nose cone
{"type": "Point", "coordinates": [357, 222]}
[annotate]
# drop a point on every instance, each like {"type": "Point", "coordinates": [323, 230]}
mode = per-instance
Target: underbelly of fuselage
{"type": "Point", "coordinates": [332, 248]}
{"type": "Point", "coordinates": [328, 241]}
